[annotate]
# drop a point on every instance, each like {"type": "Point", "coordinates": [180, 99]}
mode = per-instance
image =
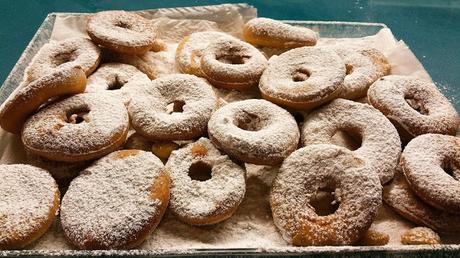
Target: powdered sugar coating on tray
{"type": "Point", "coordinates": [254, 131]}
{"type": "Point", "coordinates": [307, 170]}
{"type": "Point", "coordinates": [380, 144]}
{"type": "Point", "coordinates": [200, 201]}
{"type": "Point", "coordinates": [149, 112]}
{"type": "Point", "coordinates": [72, 52]}
{"type": "Point", "coordinates": [28, 196]}
{"type": "Point", "coordinates": [111, 201]}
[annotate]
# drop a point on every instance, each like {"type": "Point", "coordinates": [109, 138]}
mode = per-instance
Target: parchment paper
{"type": "Point", "coordinates": [173, 25]}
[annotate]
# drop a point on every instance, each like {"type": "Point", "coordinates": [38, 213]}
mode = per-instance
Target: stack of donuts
{"type": "Point", "coordinates": [111, 145]}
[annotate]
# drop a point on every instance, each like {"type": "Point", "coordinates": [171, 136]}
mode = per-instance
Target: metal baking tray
{"type": "Point", "coordinates": [327, 29]}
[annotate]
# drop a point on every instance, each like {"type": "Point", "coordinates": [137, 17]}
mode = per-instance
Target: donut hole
{"type": "Point", "coordinates": [232, 59]}
{"type": "Point", "coordinates": [348, 69]}
{"type": "Point", "coordinates": [176, 106]}
{"type": "Point", "coordinates": [249, 121]}
{"type": "Point", "coordinates": [115, 84]}
{"type": "Point", "coordinates": [416, 104]}
{"type": "Point", "coordinates": [452, 168]}
{"type": "Point", "coordinates": [64, 57]}
{"type": "Point", "coordinates": [348, 138]}
{"type": "Point", "coordinates": [77, 116]}
{"type": "Point", "coordinates": [301, 74]}
{"type": "Point", "coordinates": [122, 24]}
{"type": "Point", "coordinates": [324, 202]}
{"type": "Point", "coordinates": [200, 171]}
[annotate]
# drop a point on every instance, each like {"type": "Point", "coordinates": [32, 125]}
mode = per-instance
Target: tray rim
{"type": "Point", "coordinates": [329, 251]}
{"type": "Point", "coordinates": [333, 251]}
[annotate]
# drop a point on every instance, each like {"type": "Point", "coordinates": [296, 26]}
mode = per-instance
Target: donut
{"type": "Point", "coordinates": [420, 236]}
{"type": "Point", "coordinates": [116, 79]}
{"type": "Point", "coordinates": [190, 50]}
{"type": "Point", "coordinates": [272, 33]}
{"type": "Point", "coordinates": [80, 52]}
{"type": "Point", "coordinates": [415, 105]}
{"type": "Point", "coordinates": [254, 131]}
{"type": "Point", "coordinates": [379, 146]}
{"type": "Point", "coordinates": [62, 172]}
{"type": "Point", "coordinates": [82, 127]}
{"type": "Point", "coordinates": [374, 238]}
{"type": "Point", "coordinates": [117, 202]}
{"type": "Point", "coordinates": [191, 101]}
{"type": "Point", "coordinates": [364, 65]}
{"type": "Point", "coordinates": [138, 61]}
{"type": "Point", "coordinates": [324, 166]}
{"type": "Point", "coordinates": [27, 98]}
{"type": "Point", "coordinates": [303, 78]}
{"type": "Point", "coordinates": [431, 165]}
{"type": "Point", "coordinates": [400, 197]}
{"type": "Point", "coordinates": [121, 31]}
{"type": "Point", "coordinates": [232, 64]}
{"type": "Point", "coordinates": [206, 186]}
{"type": "Point", "coordinates": [29, 202]}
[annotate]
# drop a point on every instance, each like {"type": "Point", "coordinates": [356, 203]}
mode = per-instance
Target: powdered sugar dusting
{"type": "Point", "coordinates": [302, 174]}
{"type": "Point", "coordinates": [149, 114]}
{"type": "Point", "coordinates": [321, 72]}
{"type": "Point", "coordinates": [164, 61]}
{"type": "Point", "coordinates": [380, 146]}
{"type": "Point", "coordinates": [113, 74]}
{"type": "Point", "coordinates": [232, 63]}
{"type": "Point", "coordinates": [403, 200]}
{"type": "Point", "coordinates": [250, 227]}
{"type": "Point", "coordinates": [254, 131]}
{"type": "Point", "coordinates": [424, 162]}
{"type": "Point", "coordinates": [138, 61]}
{"type": "Point", "coordinates": [111, 201]}
{"type": "Point", "coordinates": [201, 200]}
{"type": "Point", "coordinates": [389, 222]}
{"type": "Point", "coordinates": [226, 96]}
{"type": "Point", "coordinates": [62, 172]}
{"type": "Point", "coordinates": [115, 79]}
{"type": "Point", "coordinates": [26, 200]}
{"type": "Point", "coordinates": [269, 32]}
{"type": "Point", "coordinates": [414, 104]}
{"type": "Point", "coordinates": [190, 50]}
{"type": "Point", "coordinates": [73, 52]}
{"type": "Point", "coordinates": [364, 66]}
{"type": "Point", "coordinates": [65, 80]}
{"type": "Point", "coordinates": [51, 130]}
{"type": "Point", "coordinates": [122, 28]}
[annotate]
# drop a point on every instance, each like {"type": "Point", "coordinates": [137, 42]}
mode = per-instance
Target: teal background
{"type": "Point", "coordinates": [430, 28]}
